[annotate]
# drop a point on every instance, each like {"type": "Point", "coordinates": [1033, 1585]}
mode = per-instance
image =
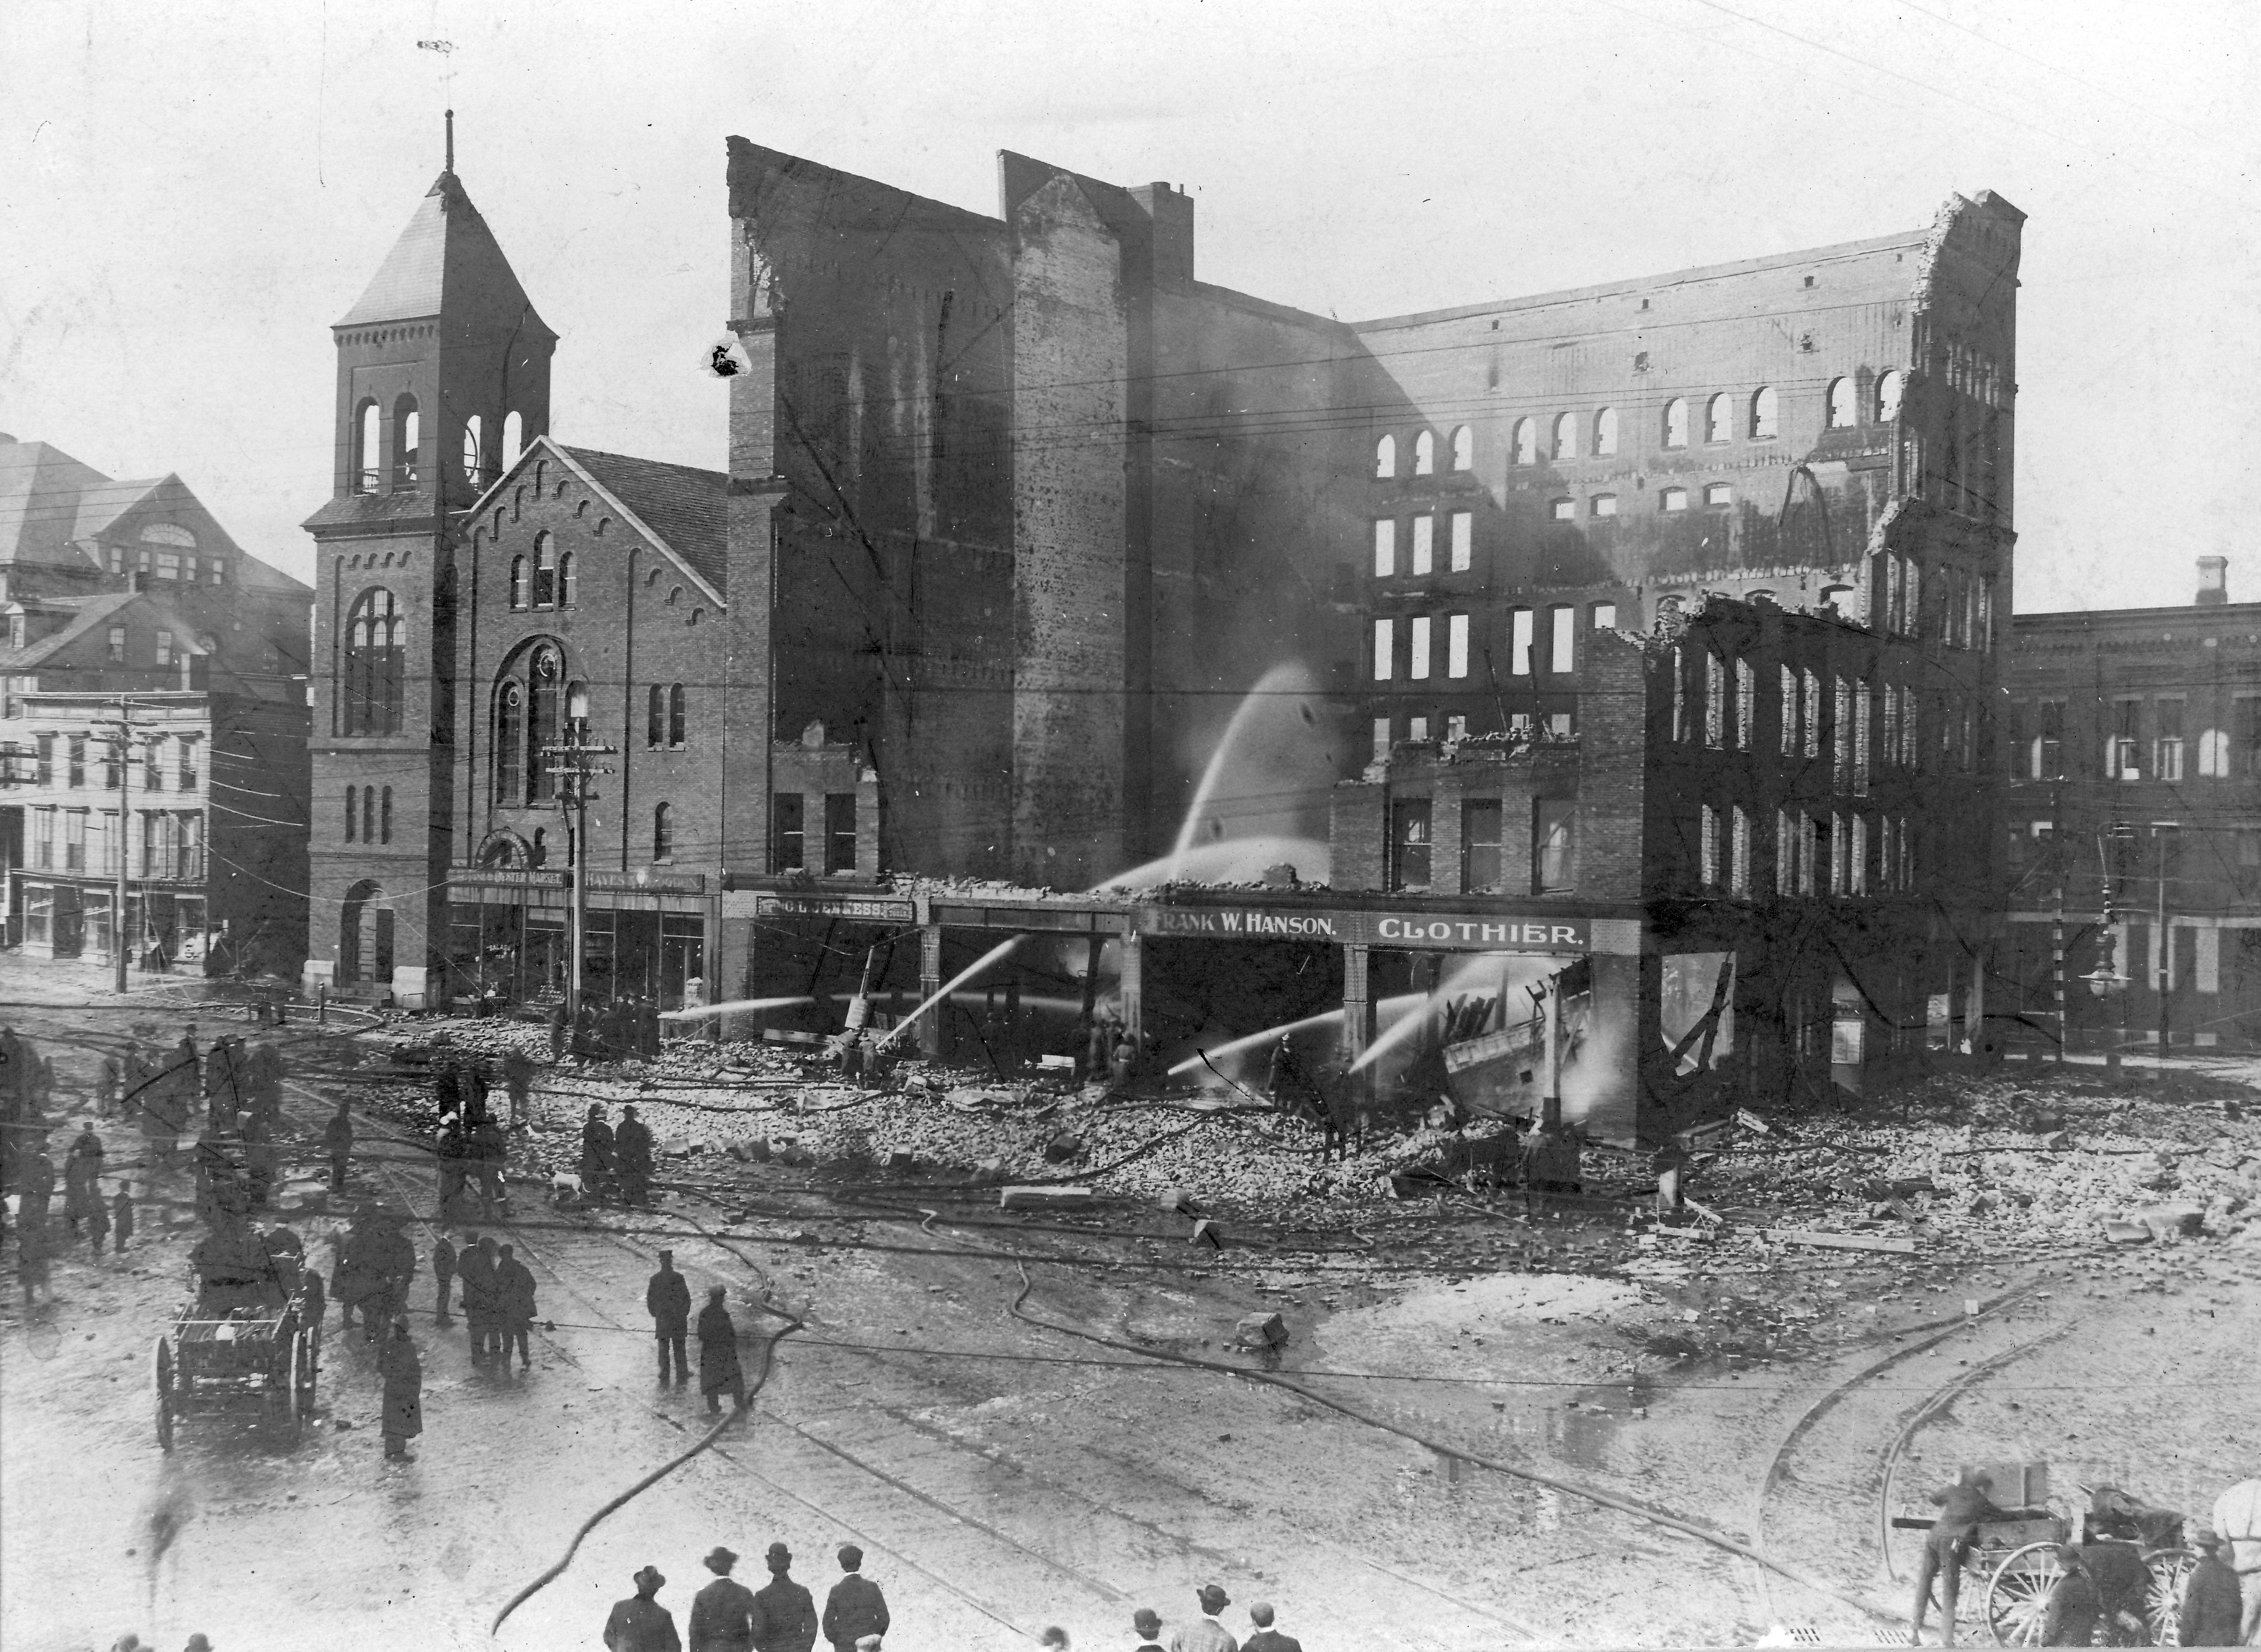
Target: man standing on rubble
{"type": "Point", "coordinates": [1961, 1506]}
{"type": "Point", "coordinates": [631, 1151]}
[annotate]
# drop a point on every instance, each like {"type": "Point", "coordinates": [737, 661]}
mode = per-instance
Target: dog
{"type": "Point", "coordinates": [564, 1188]}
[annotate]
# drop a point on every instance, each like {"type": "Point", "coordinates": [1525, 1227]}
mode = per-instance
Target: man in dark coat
{"type": "Point", "coordinates": [557, 1028]}
{"type": "Point", "coordinates": [1267, 1639]}
{"type": "Point", "coordinates": [2211, 1605]}
{"type": "Point", "coordinates": [35, 1183]}
{"type": "Point", "coordinates": [476, 1263]}
{"type": "Point", "coordinates": [453, 1154]}
{"type": "Point", "coordinates": [403, 1393]}
{"type": "Point", "coordinates": [518, 1083]}
{"type": "Point", "coordinates": [121, 1215]}
{"type": "Point", "coordinates": [391, 1257]}
{"type": "Point", "coordinates": [647, 1028]}
{"type": "Point", "coordinates": [788, 1610]}
{"type": "Point", "coordinates": [1961, 1506]}
{"type": "Point", "coordinates": [1205, 1634]}
{"type": "Point", "coordinates": [2102, 1582]}
{"type": "Point", "coordinates": [631, 1151]}
{"type": "Point", "coordinates": [667, 1298]}
{"type": "Point", "coordinates": [185, 1069]}
{"type": "Point", "coordinates": [443, 1275]}
{"type": "Point", "coordinates": [514, 1298]}
{"type": "Point", "coordinates": [724, 1616]}
{"type": "Point", "coordinates": [337, 1142]}
{"type": "Point", "coordinates": [718, 1353]}
{"type": "Point", "coordinates": [596, 1154]}
{"type": "Point", "coordinates": [82, 1176]}
{"type": "Point", "coordinates": [855, 1608]}
{"type": "Point", "coordinates": [642, 1624]}
{"type": "Point", "coordinates": [1147, 1623]}
{"type": "Point", "coordinates": [490, 1151]}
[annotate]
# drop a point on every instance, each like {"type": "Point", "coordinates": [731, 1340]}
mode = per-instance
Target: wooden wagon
{"type": "Point", "coordinates": [248, 1360]}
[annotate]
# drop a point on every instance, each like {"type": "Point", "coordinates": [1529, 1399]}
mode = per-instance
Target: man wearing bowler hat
{"type": "Point", "coordinates": [2211, 1605]}
{"type": "Point", "coordinates": [723, 1615]}
{"type": "Point", "coordinates": [788, 1610]}
{"type": "Point", "coordinates": [642, 1624]}
{"type": "Point", "coordinates": [855, 1608]}
{"type": "Point", "coordinates": [1147, 1623]}
{"type": "Point", "coordinates": [1205, 1634]}
{"type": "Point", "coordinates": [667, 1298]}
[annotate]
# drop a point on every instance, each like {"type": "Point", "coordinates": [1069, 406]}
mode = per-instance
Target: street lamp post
{"type": "Point", "coordinates": [2164, 831]}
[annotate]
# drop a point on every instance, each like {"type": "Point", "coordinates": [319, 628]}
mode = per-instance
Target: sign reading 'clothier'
{"type": "Point", "coordinates": [1467, 932]}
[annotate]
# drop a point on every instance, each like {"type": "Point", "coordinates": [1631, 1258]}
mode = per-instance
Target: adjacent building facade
{"type": "Point", "coordinates": [153, 669]}
{"type": "Point", "coordinates": [2132, 824]}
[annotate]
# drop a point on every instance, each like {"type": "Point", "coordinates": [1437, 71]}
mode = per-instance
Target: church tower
{"type": "Point", "coordinates": [443, 375]}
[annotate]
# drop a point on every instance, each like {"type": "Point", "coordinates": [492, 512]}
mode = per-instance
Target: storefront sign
{"type": "Point", "coordinates": [860, 908]}
{"type": "Point", "coordinates": [508, 877]}
{"type": "Point", "coordinates": [609, 882]}
{"type": "Point", "coordinates": [1457, 932]}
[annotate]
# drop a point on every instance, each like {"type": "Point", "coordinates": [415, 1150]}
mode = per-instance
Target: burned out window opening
{"type": "Point", "coordinates": [1385, 458]}
{"type": "Point", "coordinates": [1676, 422]}
{"type": "Point", "coordinates": [1424, 453]}
{"type": "Point", "coordinates": [1464, 448]}
{"type": "Point", "coordinates": [1424, 558]}
{"type": "Point", "coordinates": [1526, 445]}
{"type": "Point", "coordinates": [1566, 436]}
{"type": "Point", "coordinates": [1410, 843]}
{"type": "Point", "coordinates": [1842, 413]}
{"type": "Point", "coordinates": [1719, 419]}
{"type": "Point", "coordinates": [1463, 541]}
{"type": "Point", "coordinates": [1765, 420]}
{"type": "Point", "coordinates": [1606, 433]}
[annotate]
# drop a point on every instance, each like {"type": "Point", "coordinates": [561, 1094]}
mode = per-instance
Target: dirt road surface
{"type": "Point", "coordinates": [1004, 1471]}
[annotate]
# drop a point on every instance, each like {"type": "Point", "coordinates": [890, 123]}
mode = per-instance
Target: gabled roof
{"type": "Point", "coordinates": [447, 259]}
{"type": "Point", "coordinates": [40, 488]}
{"type": "Point", "coordinates": [49, 502]}
{"type": "Point", "coordinates": [684, 507]}
{"type": "Point", "coordinates": [682, 511]}
{"type": "Point", "coordinates": [92, 612]}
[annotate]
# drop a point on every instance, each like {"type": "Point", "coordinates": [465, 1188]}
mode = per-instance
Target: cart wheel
{"type": "Point", "coordinates": [164, 1394]}
{"type": "Point", "coordinates": [2018, 1596]}
{"type": "Point", "coordinates": [2163, 1600]}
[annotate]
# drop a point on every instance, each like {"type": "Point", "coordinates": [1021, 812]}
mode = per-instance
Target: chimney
{"type": "Point", "coordinates": [2213, 587]}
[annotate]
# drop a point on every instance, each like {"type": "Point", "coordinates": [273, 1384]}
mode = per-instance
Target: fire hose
{"type": "Point", "coordinates": [768, 1361]}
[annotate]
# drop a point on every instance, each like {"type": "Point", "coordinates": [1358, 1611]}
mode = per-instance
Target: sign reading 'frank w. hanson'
{"type": "Point", "coordinates": [1469, 931]}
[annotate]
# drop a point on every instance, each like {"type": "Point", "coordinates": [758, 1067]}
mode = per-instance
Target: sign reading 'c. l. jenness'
{"type": "Point", "coordinates": [870, 908]}
{"type": "Point", "coordinates": [1472, 932]}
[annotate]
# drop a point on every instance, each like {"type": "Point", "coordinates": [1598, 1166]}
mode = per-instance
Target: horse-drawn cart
{"type": "Point", "coordinates": [244, 1359]}
{"type": "Point", "coordinates": [2018, 1560]}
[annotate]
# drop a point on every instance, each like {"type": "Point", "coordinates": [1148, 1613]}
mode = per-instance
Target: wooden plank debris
{"type": "Point", "coordinates": [1838, 1241]}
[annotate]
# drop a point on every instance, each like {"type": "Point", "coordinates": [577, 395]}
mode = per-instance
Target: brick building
{"type": "Point", "coordinates": [132, 591]}
{"type": "Point", "coordinates": [1038, 558]}
{"type": "Point", "coordinates": [2134, 757]}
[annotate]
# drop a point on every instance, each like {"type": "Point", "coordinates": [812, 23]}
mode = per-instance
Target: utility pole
{"type": "Point", "coordinates": [2164, 831]}
{"type": "Point", "coordinates": [569, 763]}
{"type": "Point", "coordinates": [2056, 926]}
{"type": "Point", "coordinates": [121, 837]}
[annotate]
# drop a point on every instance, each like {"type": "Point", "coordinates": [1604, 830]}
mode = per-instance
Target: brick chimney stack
{"type": "Point", "coordinates": [2213, 583]}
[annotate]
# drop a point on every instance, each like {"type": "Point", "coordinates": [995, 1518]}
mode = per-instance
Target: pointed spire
{"type": "Point", "coordinates": [450, 167]}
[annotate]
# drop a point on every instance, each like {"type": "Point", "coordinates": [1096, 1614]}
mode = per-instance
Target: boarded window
{"type": "Point", "coordinates": [840, 832]}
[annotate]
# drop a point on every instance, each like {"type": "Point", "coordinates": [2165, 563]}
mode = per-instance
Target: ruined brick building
{"type": "Point", "coordinates": [1038, 558]}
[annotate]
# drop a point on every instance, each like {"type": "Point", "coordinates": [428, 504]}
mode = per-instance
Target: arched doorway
{"type": "Point", "coordinates": [365, 935]}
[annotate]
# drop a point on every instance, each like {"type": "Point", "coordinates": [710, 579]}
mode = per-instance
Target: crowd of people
{"type": "Point", "coordinates": [781, 1616]}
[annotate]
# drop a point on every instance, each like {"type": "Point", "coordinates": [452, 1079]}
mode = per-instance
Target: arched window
{"type": "Point", "coordinates": [568, 587]}
{"type": "Point", "coordinates": [352, 803]}
{"type": "Point", "coordinates": [365, 448]}
{"type": "Point", "coordinates": [1424, 453]}
{"type": "Point", "coordinates": [1606, 433]}
{"type": "Point", "coordinates": [1719, 419]}
{"type": "Point", "coordinates": [547, 673]}
{"type": "Point", "coordinates": [1566, 436]}
{"type": "Point", "coordinates": [408, 442]}
{"type": "Point", "coordinates": [1890, 388]}
{"type": "Point", "coordinates": [368, 814]}
{"type": "Point", "coordinates": [1841, 404]}
{"type": "Point", "coordinates": [662, 833]}
{"type": "Point", "coordinates": [1385, 458]}
{"type": "Point", "coordinates": [654, 718]}
{"type": "Point", "coordinates": [1675, 423]}
{"type": "Point", "coordinates": [1764, 425]}
{"type": "Point", "coordinates": [473, 455]}
{"type": "Point", "coordinates": [1527, 442]}
{"type": "Point", "coordinates": [376, 638]}
{"type": "Point", "coordinates": [676, 718]}
{"type": "Point", "coordinates": [513, 443]}
{"type": "Point", "coordinates": [384, 817]}
{"type": "Point", "coordinates": [545, 570]}
{"type": "Point", "coordinates": [518, 585]}
{"type": "Point", "coordinates": [510, 745]}
{"type": "Point", "coordinates": [1464, 448]}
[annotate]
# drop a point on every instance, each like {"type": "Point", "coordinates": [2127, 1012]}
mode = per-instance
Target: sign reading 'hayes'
{"type": "Point", "coordinates": [1471, 932]}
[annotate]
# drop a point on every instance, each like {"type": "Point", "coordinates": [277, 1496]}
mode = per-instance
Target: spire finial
{"type": "Point", "coordinates": [451, 141]}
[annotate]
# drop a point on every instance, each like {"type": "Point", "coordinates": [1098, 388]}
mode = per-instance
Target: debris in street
{"type": "Point", "coordinates": [1045, 1198]}
{"type": "Point", "coordinates": [1840, 1242]}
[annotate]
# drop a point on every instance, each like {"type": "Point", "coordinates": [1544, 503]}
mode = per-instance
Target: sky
{"type": "Point", "coordinates": [193, 194]}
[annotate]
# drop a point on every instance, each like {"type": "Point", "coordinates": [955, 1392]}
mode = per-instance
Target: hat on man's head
{"type": "Point", "coordinates": [721, 1560]}
{"type": "Point", "coordinates": [717, 1292]}
{"type": "Point", "coordinates": [851, 1557]}
{"type": "Point", "coordinates": [667, 1255]}
{"type": "Point", "coordinates": [648, 1580]}
{"type": "Point", "coordinates": [1147, 1621]}
{"type": "Point", "coordinates": [1214, 1599]}
{"type": "Point", "coordinates": [781, 1552]}
{"type": "Point", "coordinates": [2205, 1539]}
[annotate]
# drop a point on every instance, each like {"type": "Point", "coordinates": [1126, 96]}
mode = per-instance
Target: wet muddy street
{"type": "Point", "coordinates": [1485, 1430]}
